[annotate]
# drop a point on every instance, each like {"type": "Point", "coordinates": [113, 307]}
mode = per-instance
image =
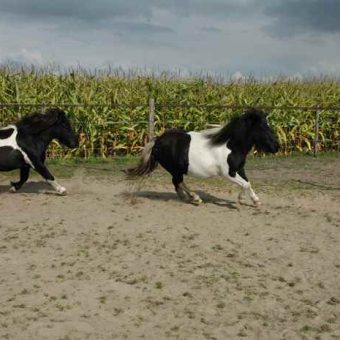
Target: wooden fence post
{"type": "Point", "coordinates": [43, 107]}
{"type": "Point", "coordinates": [316, 136]}
{"type": "Point", "coordinates": [19, 111]}
{"type": "Point", "coordinates": [151, 121]}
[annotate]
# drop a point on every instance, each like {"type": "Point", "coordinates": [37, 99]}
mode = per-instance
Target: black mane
{"type": "Point", "coordinates": [237, 129]}
{"type": "Point", "coordinates": [37, 122]}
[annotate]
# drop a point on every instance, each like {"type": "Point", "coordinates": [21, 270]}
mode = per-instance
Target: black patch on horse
{"type": "Point", "coordinates": [10, 159]}
{"type": "Point", "coordinates": [171, 150]}
{"type": "Point", "coordinates": [5, 133]}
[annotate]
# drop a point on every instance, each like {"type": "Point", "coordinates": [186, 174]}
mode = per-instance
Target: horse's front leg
{"type": "Point", "coordinates": [249, 190]}
{"type": "Point", "coordinates": [24, 173]}
{"type": "Point", "coordinates": [45, 173]}
{"type": "Point", "coordinates": [243, 192]}
{"type": "Point", "coordinates": [245, 185]}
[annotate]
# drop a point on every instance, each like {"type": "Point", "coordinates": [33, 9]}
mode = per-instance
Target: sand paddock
{"type": "Point", "coordinates": [103, 263]}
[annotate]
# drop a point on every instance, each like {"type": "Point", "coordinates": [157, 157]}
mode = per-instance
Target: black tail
{"type": "Point", "coordinates": [147, 164]}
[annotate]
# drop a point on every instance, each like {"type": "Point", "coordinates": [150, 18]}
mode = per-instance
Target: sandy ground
{"type": "Point", "coordinates": [102, 263]}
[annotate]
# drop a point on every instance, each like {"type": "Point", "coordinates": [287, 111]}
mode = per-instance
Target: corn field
{"type": "Point", "coordinates": [110, 111]}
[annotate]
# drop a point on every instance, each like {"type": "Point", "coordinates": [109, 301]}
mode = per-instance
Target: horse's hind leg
{"type": "Point", "coordinates": [195, 199]}
{"type": "Point", "coordinates": [24, 173]}
{"type": "Point", "coordinates": [177, 181]}
{"type": "Point", "coordinates": [183, 192]}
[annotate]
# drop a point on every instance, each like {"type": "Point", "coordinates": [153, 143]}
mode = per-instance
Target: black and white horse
{"type": "Point", "coordinates": [213, 152]}
{"type": "Point", "coordinates": [23, 145]}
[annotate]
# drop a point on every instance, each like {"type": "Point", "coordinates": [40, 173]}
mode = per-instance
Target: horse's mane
{"type": "Point", "coordinates": [37, 122]}
{"type": "Point", "coordinates": [236, 129]}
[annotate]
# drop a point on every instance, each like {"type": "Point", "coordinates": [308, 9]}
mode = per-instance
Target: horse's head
{"type": "Point", "coordinates": [261, 133]}
{"type": "Point", "coordinates": [62, 129]}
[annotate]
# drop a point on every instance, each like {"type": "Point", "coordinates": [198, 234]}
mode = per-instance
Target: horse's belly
{"type": "Point", "coordinates": [196, 169]}
{"type": "Point", "coordinates": [10, 159]}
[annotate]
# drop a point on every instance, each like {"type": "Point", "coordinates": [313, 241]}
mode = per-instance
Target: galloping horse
{"type": "Point", "coordinates": [23, 145]}
{"type": "Point", "coordinates": [213, 152]}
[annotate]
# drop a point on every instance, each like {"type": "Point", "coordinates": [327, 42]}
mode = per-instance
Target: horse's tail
{"type": "Point", "coordinates": [147, 163]}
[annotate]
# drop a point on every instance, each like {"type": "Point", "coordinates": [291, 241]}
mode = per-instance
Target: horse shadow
{"type": "Point", "coordinates": [169, 196]}
{"type": "Point", "coordinates": [28, 188]}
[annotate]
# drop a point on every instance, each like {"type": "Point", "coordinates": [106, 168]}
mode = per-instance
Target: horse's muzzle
{"type": "Point", "coordinates": [75, 144]}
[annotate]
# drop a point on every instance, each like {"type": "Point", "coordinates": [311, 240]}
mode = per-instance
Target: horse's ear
{"type": "Point", "coordinates": [252, 116]}
{"type": "Point", "coordinates": [55, 115]}
{"type": "Point", "coordinates": [256, 115]}
{"type": "Point", "coordinates": [51, 117]}
{"type": "Point", "coordinates": [61, 113]}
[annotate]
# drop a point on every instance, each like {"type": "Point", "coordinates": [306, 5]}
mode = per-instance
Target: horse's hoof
{"type": "Point", "coordinates": [257, 204]}
{"type": "Point", "coordinates": [196, 201]}
{"type": "Point", "coordinates": [242, 201]}
{"type": "Point", "coordinates": [62, 191]}
{"type": "Point", "coordinates": [12, 190]}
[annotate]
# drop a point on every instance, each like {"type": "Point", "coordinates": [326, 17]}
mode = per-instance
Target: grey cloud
{"type": "Point", "coordinates": [289, 17]}
{"type": "Point", "coordinates": [212, 8]}
{"type": "Point", "coordinates": [214, 35]}
{"type": "Point", "coordinates": [141, 28]}
{"type": "Point", "coordinates": [103, 9]}
{"type": "Point", "coordinates": [211, 29]}
{"type": "Point", "coordinates": [77, 9]}
{"type": "Point", "coordinates": [294, 17]}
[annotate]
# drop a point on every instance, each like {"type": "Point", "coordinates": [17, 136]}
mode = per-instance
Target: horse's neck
{"type": "Point", "coordinates": [241, 147]}
{"type": "Point", "coordinates": [45, 137]}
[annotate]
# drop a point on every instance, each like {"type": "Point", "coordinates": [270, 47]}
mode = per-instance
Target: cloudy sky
{"type": "Point", "coordinates": [227, 37]}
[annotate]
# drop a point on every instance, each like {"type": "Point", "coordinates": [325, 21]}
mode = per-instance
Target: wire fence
{"type": "Point", "coordinates": [153, 120]}
{"type": "Point", "coordinates": [169, 105]}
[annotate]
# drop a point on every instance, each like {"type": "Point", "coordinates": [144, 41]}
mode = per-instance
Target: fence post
{"type": "Point", "coordinates": [316, 137]}
{"type": "Point", "coordinates": [19, 111]}
{"type": "Point", "coordinates": [43, 107]}
{"type": "Point", "coordinates": [151, 120]}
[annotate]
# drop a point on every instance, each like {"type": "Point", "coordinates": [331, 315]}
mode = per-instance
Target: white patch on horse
{"type": "Point", "coordinates": [11, 141]}
{"type": "Point", "coordinates": [205, 161]}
